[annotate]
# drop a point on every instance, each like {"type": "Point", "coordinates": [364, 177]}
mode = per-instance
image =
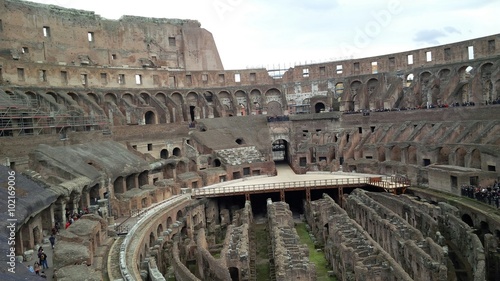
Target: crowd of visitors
{"type": "Point", "coordinates": [489, 195]}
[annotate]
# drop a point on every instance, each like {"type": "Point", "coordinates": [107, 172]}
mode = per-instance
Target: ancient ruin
{"type": "Point", "coordinates": [156, 163]}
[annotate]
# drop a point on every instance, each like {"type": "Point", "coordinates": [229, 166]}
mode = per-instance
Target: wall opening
{"type": "Point", "coordinates": [191, 112]}
{"type": "Point", "coordinates": [150, 117]}
{"type": "Point", "coordinates": [319, 107]}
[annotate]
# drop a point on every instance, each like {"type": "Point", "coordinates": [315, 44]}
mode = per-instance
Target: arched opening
{"type": "Point", "coordinates": [37, 235]}
{"type": "Point", "coordinates": [280, 150]}
{"type": "Point", "coordinates": [130, 181]}
{"type": "Point", "coordinates": [381, 154]}
{"type": "Point", "coordinates": [460, 157]}
{"type": "Point", "coordinates": [159, 230]}
{"type": "Point", "coordinates": [319, 107]}
{"type": "Point", "coordinates": [128, 98]}
{"type": "Point", "coordinates": [475, 159]}
{"type": "Point", "coordinates": [177, 152]}
{"type": "Point", "coordinates": [94, 193]}
{"type": "Point", "coordinates": [169, 222]}
{"type": "Point", "coordinates": [93, 97]}
{"type": "Point", "coordinates": [468, 220]}
{"type": "Point", "coordinates": [234, 272]}
{"type": "Point", "coordinates": [164, 154]}
{"type": "Point", "coordinates": [111, 98]}
{"type": "Point", "coordinates": [151, 239]}
{"type": "Point", "coordinates": [409, 79]}
{"type": "Point", "coordinates": [191, 112]}
{"type": "Point", "coordinates": [240, 141]}
{"type": "Point", "coordinates": [396, 153]}
{"type": "Point", "coordinates": [178, 216]}
{"type": "Point", "coordinates": [170, 171]}
{"type": "Point", "coordinates": [118, 186]}
{"type": "Point", "coordinates": [143, 178]}
{"type": "Point", "coordinates": [181, 167]}
{"type": "Point", "coordinates": [412, 155]}
{"type": "Point", "coordinates": [149, 117]}
{"type": "Point", "coordinates": [217, 163]}
{"type": "Point", "coordinates": [146, 97]}
{"type": "Point", "coordinates": [443, 156]}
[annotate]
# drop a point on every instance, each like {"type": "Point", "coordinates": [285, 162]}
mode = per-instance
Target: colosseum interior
{"type": "Point", "coordinates": [168, 166]}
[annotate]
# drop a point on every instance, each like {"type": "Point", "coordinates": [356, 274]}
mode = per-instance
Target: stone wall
{"type": "Point", "coordinates": [213, 269]}
{"type": "Point", "coordinates": [291, 258]}
{"type": "Point", "coordinates": [419, 256]}
{"type": "Point", "coordinates": [349, 249]}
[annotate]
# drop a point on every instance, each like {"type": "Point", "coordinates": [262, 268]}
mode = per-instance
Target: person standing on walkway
{"type": "Point", "coordinates": [52, 240]}
{"type": "Point", "coordinates": [43, 260]}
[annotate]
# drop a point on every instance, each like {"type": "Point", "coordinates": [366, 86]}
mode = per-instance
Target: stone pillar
{"type": "Point", "coordinates": [404, 155]}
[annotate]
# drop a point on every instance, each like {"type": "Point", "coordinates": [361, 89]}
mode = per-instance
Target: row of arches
{"type": "Point", "coordinates": [445, 156]}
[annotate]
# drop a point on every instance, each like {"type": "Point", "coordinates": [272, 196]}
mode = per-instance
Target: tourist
{"type": "Point", "coordinates": [43, 260]}
{"type": "Point", "coordinates": [52, 240]}
{"type": "Point", "coordinates": [37, 268]}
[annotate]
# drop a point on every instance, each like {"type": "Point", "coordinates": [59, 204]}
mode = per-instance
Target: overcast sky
{"type": "Point", "coordinates": [272, 33]}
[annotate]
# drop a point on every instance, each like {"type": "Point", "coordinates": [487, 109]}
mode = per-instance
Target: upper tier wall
{"type": "Point", "coordinates": [50, 34]}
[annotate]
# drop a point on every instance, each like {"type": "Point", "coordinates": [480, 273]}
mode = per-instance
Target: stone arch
{"type": "Point", "coordinates": [55, 97]}
{"type": "Point", "coordinates": [465, 73]}
{"type": "Point", "coordinates": [93, 97]}
{"type": "Point", "coordinates": [177, 98]}
{"type": "Point", "coordinates": [144, 178]}
{"type": "Point", "coordinates": [169, 222]}
{"type": "Point", "coordinates": [118, 185]}
{"type": "Point", "coordinates": [425, 89]}
{"type": "Point", "coordinates": [209, 96]}
{"type": "Point", "coordinates": [373, 90]}
{"type": "Point", "coordinates": [152, 239]}
{"type": "Point", "coordinates": [486, 83]}
{"type": "Point", "coordinates": [444, 156]}
{"type": "Point", "coordinates": [146, 97]}
{"type": "Point", "coordinates": [225, 100]}
{"type": "Point", "coordinates": [381, 154]}
{"type": "Point", "coordinates": [475, 159]}
{"type": "Point", "coordinates": [217, 163]}
{"type": "Point", "coordinates": [164, 154]}
{"type": "Point", "coordinates": [128, 98]}
{"type": "Point", "coordinates": [159, 230]}
{"type": "Point", "coordinates": [354, 95]}
{"type": "Point", "coordinates": [177, 152]}
{"type": "Point", "coordinates": [274, 102]}
{"type": "Point", "coordinates": [396, 153]}
{"type": "Point", "coordinates": [161, 97]}
{"type": "Point", "coordinates": [319, 107]}
{"type": "Point", "coordinates": [74, 97]}
{"type": "Point", "coordinates": [242, 101]}
{"type": "Point", "coordinates": [149, 117]}
{"type": "Point", "coordinates": [409, 78]}
{"type": "Point", "coordinates": [192, 98]}
{"type": "Point", "coordinates": [468, 220]}
{"type": "Point", "coordinates": [130, 181]}
{"type": "Point", "coordinates": [32, 98]}
{"type": "Point", "coordinates": [181, 167]}
{"type": "Point", "coordinates": [460, 156]}
{"type": "Point", "coordinates": [170, 171]}
{"type": "Point", "coordinates": [444, 74]}
{"type": "Point", "coordinates": [256, 101]}
{"type": "Point", "coordinates": [110, 97]}
{"type": "Point", "coordinates": [412, 155]}
{"type": "Point", "coordinates": [178, 215]}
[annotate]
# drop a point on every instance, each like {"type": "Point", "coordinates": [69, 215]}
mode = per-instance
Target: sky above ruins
{"type": "Point", "coordinates": [284, 33]}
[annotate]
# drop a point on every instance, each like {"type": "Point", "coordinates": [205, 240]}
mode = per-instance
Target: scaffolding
{"type": "Point", "coordinates": [27, 116]}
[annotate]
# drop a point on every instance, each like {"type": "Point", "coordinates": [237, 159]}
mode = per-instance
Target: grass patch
{"type": "Point", "coordinates": [262, 258]}
{"type": "Point", "coordinates": [318, 258]}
